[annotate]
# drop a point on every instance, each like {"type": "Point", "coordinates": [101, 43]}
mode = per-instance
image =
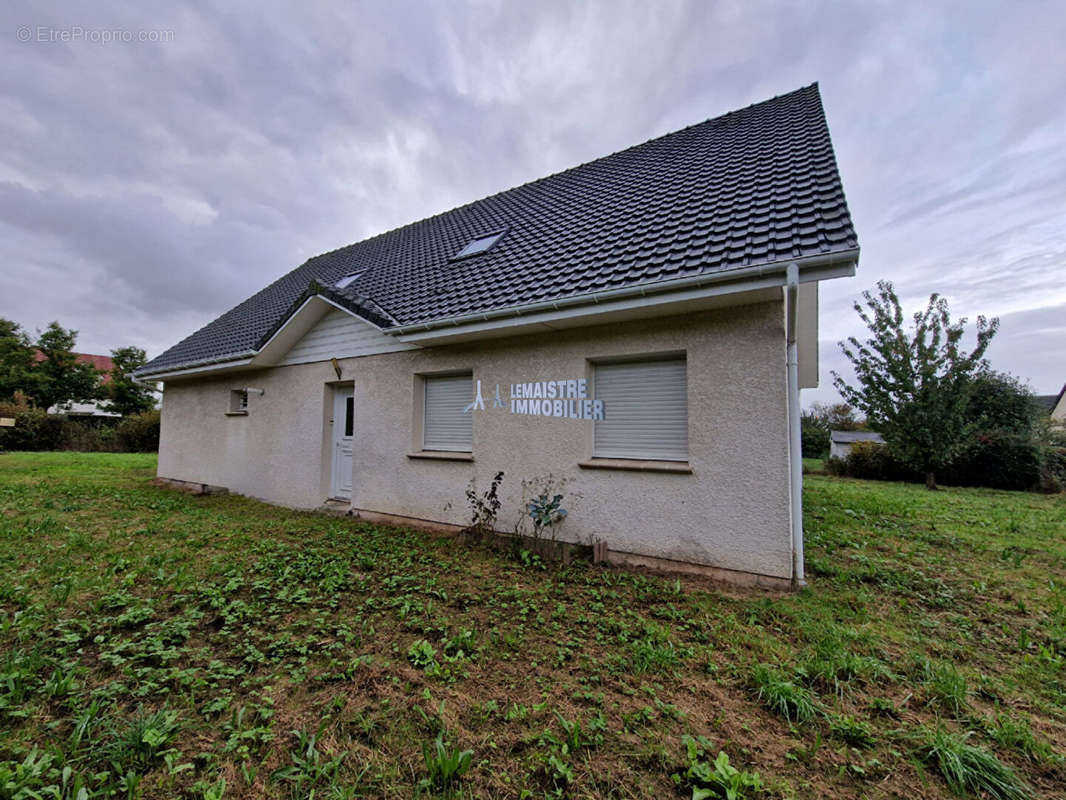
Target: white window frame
{"type": "Point", "coordinates": [238, 402]}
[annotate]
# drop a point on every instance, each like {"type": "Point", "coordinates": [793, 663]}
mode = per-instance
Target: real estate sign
{"type": "Point", "coordinates": [566, 399]}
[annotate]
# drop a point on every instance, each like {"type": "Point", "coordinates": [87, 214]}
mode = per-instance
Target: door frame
{"type": "Point", "coordinates": [341, 394]}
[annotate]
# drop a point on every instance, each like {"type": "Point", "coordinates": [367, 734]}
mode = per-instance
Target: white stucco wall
{"type": "Point", "coordinates": [840, 446]}
{"type": "Point", "coordinates": [1058, 413]}
{"type": "Point", "coordinates": [839, 449]}
{"type": "Point", "coordinates": [731, 512]}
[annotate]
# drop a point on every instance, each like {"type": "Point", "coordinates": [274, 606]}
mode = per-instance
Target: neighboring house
{"type": "Point", "coordinates": [93, 409]}
{"type": "Point", "coordinates": [1054, 405]}
{"type": "Point", "coordinates": [638, 326]}
{"type": "Point", "coordinates": [840, 442]}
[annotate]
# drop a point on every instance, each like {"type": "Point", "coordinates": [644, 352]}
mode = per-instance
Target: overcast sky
{"type": "Point", "coordinates": [148, 186]}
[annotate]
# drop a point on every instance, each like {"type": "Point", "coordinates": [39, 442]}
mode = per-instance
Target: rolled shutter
{"type": "Point", "coordinates": [445, 426]}
{"type": "Point", "coordinates": [645, 410]}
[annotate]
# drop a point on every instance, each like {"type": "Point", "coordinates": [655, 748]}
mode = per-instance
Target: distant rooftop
{"type": "Point", "coordinates": [844, 437]}
{"type": "Point", "coordinates": [102, 363]}
{"type": "Point", "coordinates": [1049, 401]}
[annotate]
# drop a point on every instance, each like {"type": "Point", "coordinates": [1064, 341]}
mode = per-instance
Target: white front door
{"type": "Point", "coordinates": [343, 424]}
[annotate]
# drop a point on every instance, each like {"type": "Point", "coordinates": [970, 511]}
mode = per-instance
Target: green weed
{"type": "Point", "coordinates": [576, 736]}
{"type": "Point", "coordinates": [945, 685]}
{"type": "Point", "coordinates": [246, 733]}
{"type": "Point", "coordinates": [559, 771]}
{"type": "Point", "coordinates": [445, 764]}
{"type": "Point", "coordinates": [968, 768]}
{"type": "Point", "coordinates": [884, 707]}
{"type": "Point", "coordinates": [853, 731]}
{"type": "Point", "coordinates": [715, 779]}
{"type": "Point", "coordinates": [140, 743]}
{"type": "Point", "coordinates": [648, 655]}
{"type": "Point", "coordinates": [1016, 733]}
{"type": "Point", "coordinates": [422, 654]}
{"type": "Point", "coordinates": [835, 665]}
{"type": "Point", "coordinates": [311, 770]}
{"type": "Point", "coordinates": [115, 595]}
{"type": "Point", "coordinates": [781, 695]}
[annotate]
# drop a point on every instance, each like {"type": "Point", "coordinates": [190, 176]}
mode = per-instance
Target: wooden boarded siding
{"type": "Point", "coordinates": [340, 335]}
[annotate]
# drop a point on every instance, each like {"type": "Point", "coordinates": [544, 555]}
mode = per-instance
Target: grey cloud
{"type": "Point", "coordinates": [1028, 346]}
{"type": "Point", "coordinates": [152, 186]}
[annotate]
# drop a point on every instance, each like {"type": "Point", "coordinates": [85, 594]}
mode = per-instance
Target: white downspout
{"type": "Point", "coordinates": [795, 440]}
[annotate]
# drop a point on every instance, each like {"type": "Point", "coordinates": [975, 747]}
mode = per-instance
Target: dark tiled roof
{"type": "Point", "coordinates": [1048, 401]}
{"type": "Point", "coordinates": [754, 186]}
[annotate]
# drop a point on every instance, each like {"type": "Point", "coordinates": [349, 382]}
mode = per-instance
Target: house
{"type": "Point", "coordinates": [1054, 405]}
{"type": "Point", "coordinates": [103, 364]}
{"type": "Point", "coordinates": [840, 442]}
{"type": "Point", "coordinates": [638, 327]}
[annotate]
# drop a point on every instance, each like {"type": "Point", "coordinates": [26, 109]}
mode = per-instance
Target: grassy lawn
{"type": "Point", "coordinates": [158, 644]}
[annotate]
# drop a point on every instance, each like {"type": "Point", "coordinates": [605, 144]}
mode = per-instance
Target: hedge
{"type": "Point", "coordinates": [35, 429]}
{"type": "Point", "coordinates": [995, 460]}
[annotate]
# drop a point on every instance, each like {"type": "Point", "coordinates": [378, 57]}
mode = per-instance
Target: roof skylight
{"type": "Point", "coordinates": [479, 245]}
{"type": "Point", "coordinates": [347, 279]}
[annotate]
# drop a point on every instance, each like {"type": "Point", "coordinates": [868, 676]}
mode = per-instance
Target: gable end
{"type": "Point", "coordinates": [340, 335]}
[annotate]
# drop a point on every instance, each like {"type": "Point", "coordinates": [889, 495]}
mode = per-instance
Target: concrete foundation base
{"type": "Point", "coordinates": [748, 580]}
{"type": "Point", "coordinates": [428, 525]}
{"type": "Point", "coordinates": [190, 487]}
{"type": "Point", "coordinates": [730, 577]}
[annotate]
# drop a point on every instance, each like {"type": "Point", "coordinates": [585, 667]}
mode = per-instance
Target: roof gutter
{"type": "Point", "coordinates": [810, 267]}
{"type": "Point", "coordinates": [808, 264]}
{"type": "Point", "coordinates": [243, 356]}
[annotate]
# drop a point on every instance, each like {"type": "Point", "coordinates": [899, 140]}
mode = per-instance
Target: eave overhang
{"type": "Point", "coordinates": [655, 299]}
{"type": "Point", "coordinates": [301, 316]}
{"type": "Point", "coordinates": [641, 301]}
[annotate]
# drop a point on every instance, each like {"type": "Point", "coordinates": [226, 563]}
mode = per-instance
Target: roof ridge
{"type": "Point", "coordinates": [535, 181]}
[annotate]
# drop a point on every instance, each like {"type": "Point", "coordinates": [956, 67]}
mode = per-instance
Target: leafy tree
{"type": "Point", "coordinates": [59, 377]}
{"type": "Point", "coordinates": [814, 436]}
{"type": "Point", "coordinates": [915, 388]}
{"type": "Point", "coordinates": [838, 416]}
{"type": "Point", "coordinates": [1001, 402]}
{"type": "Point", "coordinates": [125, 395]}
{"type": "Point", "coordinates": [16, 359]}
{"type": "Point", "coordinates": [821, 418]}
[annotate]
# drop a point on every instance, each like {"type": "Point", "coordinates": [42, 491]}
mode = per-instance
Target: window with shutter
{"type": "Point", "coordinates": [445, 426]}
{"type": "Point", "coordinates": [238, 401]}
{"type": "Point", "coordinates": [646, 410]}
